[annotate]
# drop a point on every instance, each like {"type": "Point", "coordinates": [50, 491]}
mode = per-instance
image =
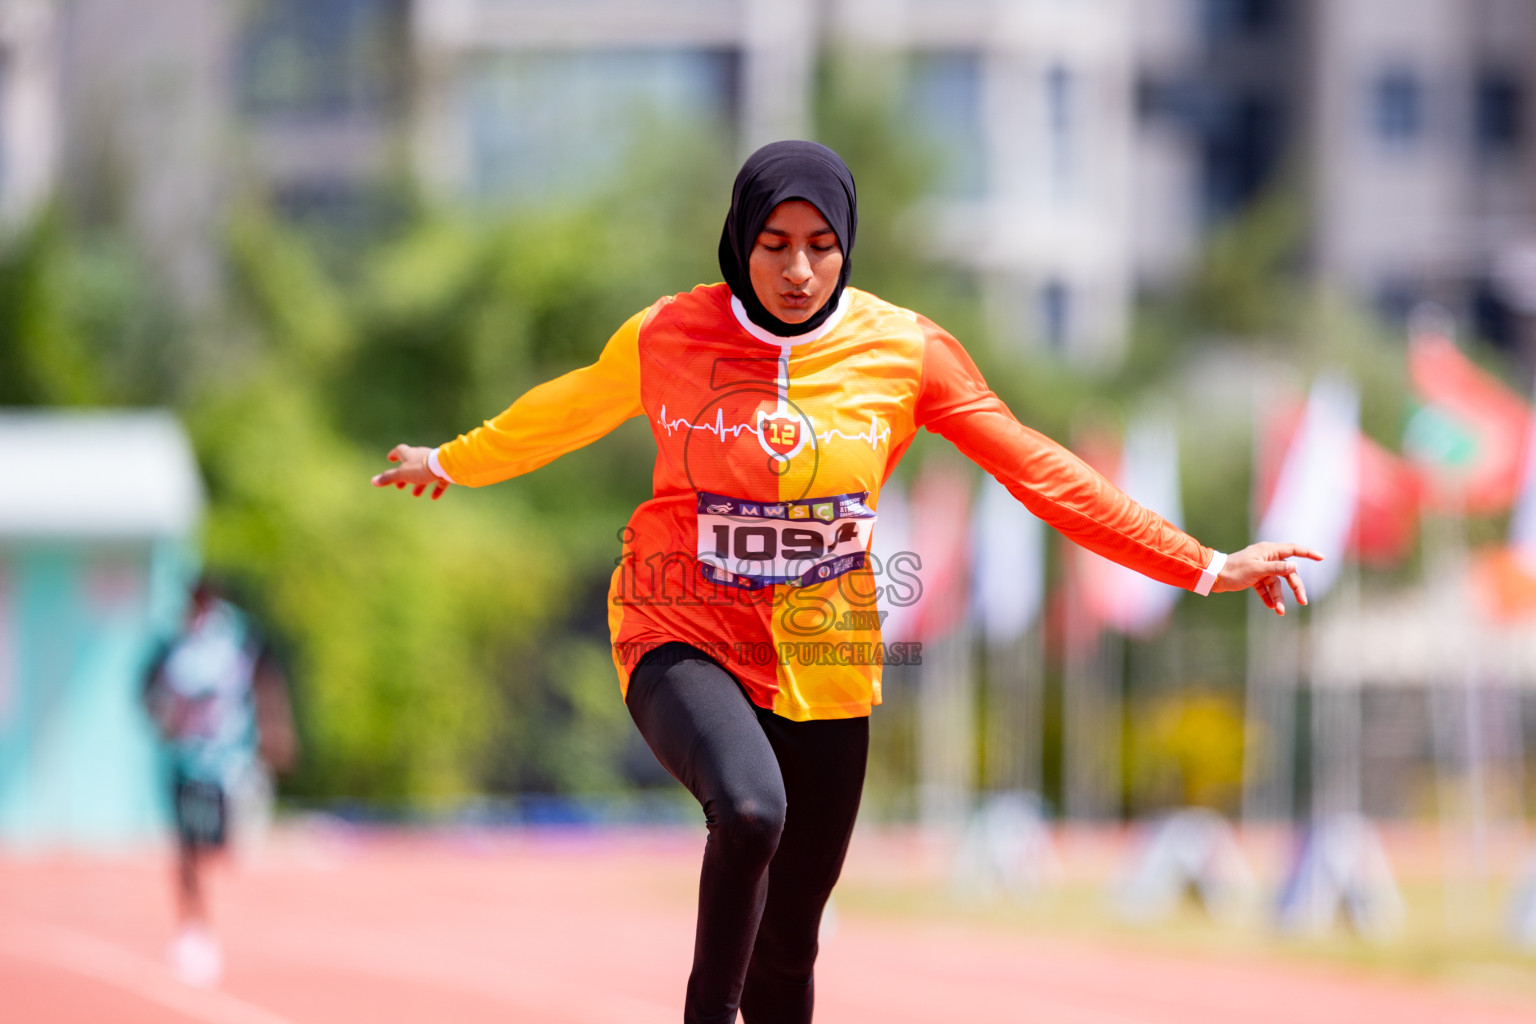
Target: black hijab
{"type": "Point", "coordinates": [778, 172]}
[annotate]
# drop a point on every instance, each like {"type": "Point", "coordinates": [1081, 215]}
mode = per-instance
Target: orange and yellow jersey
{"type": "Point", "coordinates": [771, 453]}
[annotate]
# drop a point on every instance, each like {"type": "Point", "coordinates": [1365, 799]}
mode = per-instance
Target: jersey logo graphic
{"type": "Point", "coordinates": [781, 433]}
{"type": "Point", "coordinates": [721, 510]}
{"type": "Point", "coordinates": [875, 436]}
{"type": "Point", "coordinates": [718, 428]}
{"type": "Point", "coordinates": [785, 441]}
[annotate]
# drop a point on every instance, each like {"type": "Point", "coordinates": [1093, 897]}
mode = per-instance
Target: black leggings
{"type": "Point", "coordinates": [779, 799]}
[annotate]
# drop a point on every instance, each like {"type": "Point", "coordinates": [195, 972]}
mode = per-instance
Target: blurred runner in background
{"type": "Point", "coordinates": [220, 702]}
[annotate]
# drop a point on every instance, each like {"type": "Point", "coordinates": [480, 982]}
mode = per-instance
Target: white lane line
{"type": "Point", "coordinates": [149, 980]}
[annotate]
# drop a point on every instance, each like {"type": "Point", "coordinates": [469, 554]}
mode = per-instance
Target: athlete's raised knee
{"type": "Point", "coordinates": [749, 826]}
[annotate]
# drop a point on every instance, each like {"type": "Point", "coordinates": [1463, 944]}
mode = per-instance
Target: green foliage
{"type": "Point", "coordinates": [1246, 283]}
{"type": "Point", "coordinates": [398, 612]}
{"type": "Point", "coordinates": [437, 641]}
{"type": "Point", "coordinates": [569, 731]}
{"type": "Point", "coordinates": [82, 321]}
{"type": "Point", "coordinates": [432, 645]}
{"type": "Point", "coordinates": [392, 608]}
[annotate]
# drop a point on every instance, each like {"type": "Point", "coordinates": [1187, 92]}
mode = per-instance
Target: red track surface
{"type": "Point", "coordinates": [579, 929]}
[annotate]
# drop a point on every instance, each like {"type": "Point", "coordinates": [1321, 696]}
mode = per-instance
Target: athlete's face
{"type": "Point", "coordinates": [795, 262]}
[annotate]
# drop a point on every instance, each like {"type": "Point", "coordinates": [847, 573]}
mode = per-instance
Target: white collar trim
{"type": "Point", "coordinates": [768, 337]}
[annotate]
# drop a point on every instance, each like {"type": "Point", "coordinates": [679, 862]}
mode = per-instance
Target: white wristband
{"type": "Point", "coordinates": [437, 467]}
{"type": "Point", "coordinates": [1209, 574]}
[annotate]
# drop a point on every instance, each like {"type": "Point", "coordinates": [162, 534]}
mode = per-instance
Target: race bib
{"type": "Point", "coordinates": [752, 544]}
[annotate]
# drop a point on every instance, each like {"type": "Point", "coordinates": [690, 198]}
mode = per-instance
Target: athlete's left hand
{"type": "Point", "coordinates": [1262, 566]}
{"type": "Point", "coordinates": [413, 470]}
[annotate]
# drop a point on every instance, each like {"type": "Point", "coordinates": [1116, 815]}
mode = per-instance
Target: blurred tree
{"type": "Point", "coordinates": [83, 320]}
{"type": "Point", "coordinates": [446, 649]}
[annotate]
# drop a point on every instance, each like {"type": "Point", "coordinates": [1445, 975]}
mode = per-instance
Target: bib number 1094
{"type": "Point", "coordinates": [755, 544]}
{"type": "Point", "coordinates": [764, 543]}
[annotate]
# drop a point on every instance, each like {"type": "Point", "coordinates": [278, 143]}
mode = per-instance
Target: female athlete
{"type": "Point", "coordinates": [780, 401]}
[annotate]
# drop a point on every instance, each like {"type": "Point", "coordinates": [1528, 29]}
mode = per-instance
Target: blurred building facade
{"type": "Point", "coordinates": [1089, 146]}
{"type": "Point", "coordinates": [28, 106]}
{"type": "Point", "coordinates": [1422, 172]}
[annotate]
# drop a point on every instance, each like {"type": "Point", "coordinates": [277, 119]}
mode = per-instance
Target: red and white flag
{"type": "Point", "coordinates": [939, 528]}
{"type": "Point", "coordinates": [1522, 525]}
{"type": "Point", "coordinates": [1317, 490]}
{"type": "Point", "coordinates": [896, 573]}
{"type": "Point", "coordinates": [1506, 576]}
{"type": "Point", "coordinates": [1147, 470]}
{"type": "Point", "coordinates": [1387, 512]}
{"type": "Point", "coordinates": [1007, 564]}
{"type": "Point", "coordinates": [1389, 498]}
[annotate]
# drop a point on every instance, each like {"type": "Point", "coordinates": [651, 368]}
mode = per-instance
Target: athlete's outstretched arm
{"type": "Point", "coordinates": [1069, 495]}
{"type": "Point", "coordinates": [549, 420]}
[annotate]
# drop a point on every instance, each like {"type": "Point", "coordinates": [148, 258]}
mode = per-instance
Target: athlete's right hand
{"type": "Point", "coordinates": [413, 470]}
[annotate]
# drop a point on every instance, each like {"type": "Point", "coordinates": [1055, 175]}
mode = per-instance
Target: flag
{"type": "Point", "coordinates": [1318, 485]}
{"type": "Point", "coordinates": [1147, 470]}
{"type": "Point", "coordinates": [1387, 509]}
{"type": "Point", "coordinates": [1522, 525]}
{"type": "Point", "coordinates": [1007, 564]}
{"type": "Point", "coordinates": [1386, 506]}
{"type": "Point", "coordinates": [1506, 576]}
{"type": "Point", "coordinates": [1469, 437]}
{"type": "Point", "coordinates": [939, 520]}
{"type": "Point", "coordinates": [897, 576]}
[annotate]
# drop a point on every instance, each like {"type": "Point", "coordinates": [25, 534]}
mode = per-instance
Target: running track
{"type": "Point", "coordinates": [551, 928]}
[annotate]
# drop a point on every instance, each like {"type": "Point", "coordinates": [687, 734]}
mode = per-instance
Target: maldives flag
{"type": "Point", "coordinates": [1469, 438]}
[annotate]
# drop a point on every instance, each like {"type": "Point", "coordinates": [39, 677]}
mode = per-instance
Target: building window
{"type": "Point", "coordinates": [1055, 314]}
{"type": "Point", "coordinates": [1060, 104]}
{"type": "Point", "coordinates": [1234, 19]}
{"type": "Point", "coordinates": [1397, 107]}
{"type": "Point", "coordinates": [563, 123]}
{"type": "Point", "coordinates": [945, 101]}
{"type": "Point", "coordinates": [344, 208]}
{"type": "Point", "coordinates": [1241, 149]}
{"type": "Point", "coordinates": [1395, 299]}
{"type": "Point", "coordinates": [1493, 319]}
{"type": "Point", "coordinates": [303, 59]}
{"type": "Point", "coordinates": [1499, 115]}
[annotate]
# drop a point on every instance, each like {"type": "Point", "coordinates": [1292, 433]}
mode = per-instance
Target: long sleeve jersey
{"type": "Point", "coordinates": [771, 453]}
